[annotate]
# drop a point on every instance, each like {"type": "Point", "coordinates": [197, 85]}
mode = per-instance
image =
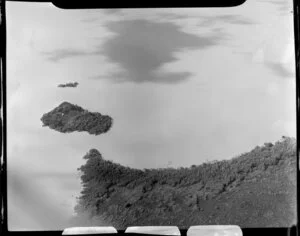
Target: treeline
{"type": "Point", "coordinates": [124, 195]}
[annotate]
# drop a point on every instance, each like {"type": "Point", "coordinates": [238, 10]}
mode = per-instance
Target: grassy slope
{"type": "Point", "coordinates": [256, 189]}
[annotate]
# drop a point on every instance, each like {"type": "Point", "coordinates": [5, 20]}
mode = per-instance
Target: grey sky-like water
{"type": "Point", "coordinates": [183, 86]}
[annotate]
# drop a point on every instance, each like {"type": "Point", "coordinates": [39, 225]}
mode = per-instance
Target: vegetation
{"type": "Point", "coordinates": [69, 118]}
{"type": "Point", "coordinates": [205, 193]}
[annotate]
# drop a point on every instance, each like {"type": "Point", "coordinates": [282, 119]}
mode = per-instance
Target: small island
{"type": "Point", "coordinates": [70, 85]}
{"type": "Point", "coordinates": [68, 118]}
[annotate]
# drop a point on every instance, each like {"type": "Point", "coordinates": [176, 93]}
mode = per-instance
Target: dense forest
{"type": "Point", "coordinates": [255, 189]}
{"type": "Point", "coordinates": [69, 118]}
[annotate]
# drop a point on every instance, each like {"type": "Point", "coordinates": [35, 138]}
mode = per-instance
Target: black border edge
{"type": "Point", "coordinates": [3, 166]}
{"type": "Point", "coordinates": [296, 22]}
{"type": "Point", "coordinates": [90, 4]}
{"type": "Point", "coordinates": [246, 232]}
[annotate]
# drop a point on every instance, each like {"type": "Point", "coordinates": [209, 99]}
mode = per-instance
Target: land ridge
{"type": "Point", "coordinates": [255, 189]}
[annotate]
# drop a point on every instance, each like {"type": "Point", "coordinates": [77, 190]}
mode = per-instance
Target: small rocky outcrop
{"type": "Point", "coordinates": [71, 85]}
